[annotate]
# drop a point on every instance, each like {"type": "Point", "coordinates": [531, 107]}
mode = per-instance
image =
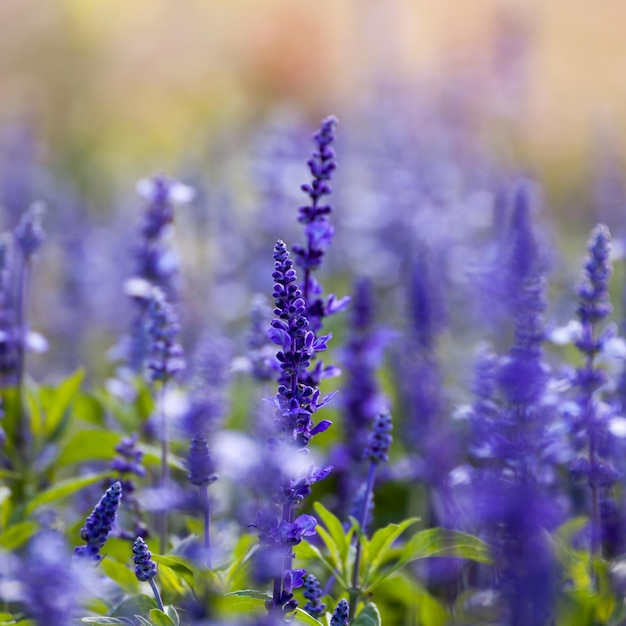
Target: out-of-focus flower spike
{"type": "Point", "coordinates": [99, 524]}
{"type": "Point", "coordinates": [341, 615]}
{"type": "Point", "coordinates": [29, 234]}
{"type": "Point", "coordinates": [313, 593]}
{"type": "Point", "coordinates": [380, 439]}
{"type": "Point", "coordinates": [200, 463]}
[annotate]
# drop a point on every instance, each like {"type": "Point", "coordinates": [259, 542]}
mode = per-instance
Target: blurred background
{"type": "Point", "coordinates": [110, 86]}
{"type": "Point", "coordinates": [440, 105]}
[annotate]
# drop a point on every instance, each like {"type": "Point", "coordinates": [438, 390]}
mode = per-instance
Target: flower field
{"type": "Point", "coordinates": [400, 403]}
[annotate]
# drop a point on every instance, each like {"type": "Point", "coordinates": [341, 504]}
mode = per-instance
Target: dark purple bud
{"type": "Point", "coordinates": [341, 615]}
{"type": "Point", "coordinates": [145, 567]}
{"type": "Point", "coordinates": [313, 593]}
{"type": "Point", "coordinates": [100, 522]}
{"type": "Point", "coordinates": [380, 439]}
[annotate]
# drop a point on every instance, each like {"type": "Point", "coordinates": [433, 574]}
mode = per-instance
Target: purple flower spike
{"type": "Point", "coordinates": [313, 593]}
{"type": "Point", "coordinates": [295, 400]}
{"type": "Point", "coordinates": [145, 567]}
{"type": "Point", "coordinates": [380, 439]}
{"type": "Point", "coordinates": [341, 616]}
{"type": "Point", "coordinates": [318, 229]}
{"type": "Point", "coordinates": [200, 463]}
{"type": "Point", "coordinates": [166, 357]}
{"type": "Point", "coordinates": [29, 235]}
{"type": "Point", "coordinates": [99, 524]}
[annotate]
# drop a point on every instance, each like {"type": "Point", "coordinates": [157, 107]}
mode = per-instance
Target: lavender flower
{"type": "Point", "coordinates": [296, 402]}
{"type": "Point", "coordinates": [155, 263]}
{"type": "Point", "coordinates": [128, 461]}
{"type": "Point", "coordinates": [313, 593]}
{"type": "Point", "coordinates": [593, 308]}
{"type": "Point", "coordinates": [318, 229]}
{"type": "Point", "coordinates": [99, 524]}
{"type": "Point", "coordinates": [145, 567]}
{"type": "Point", "coordinates": [209, 400]}
{"type": "Point", "coordinates": [50, 581]}
{"type": "Point", "coordinates": [29, 234]}
{"type": "Point", "coordinates": [200, 463]}
{"type": "Point", "coordinates": [380, 439]}
{"type": "Point", "coordinates": [362, 398]}
{"type": "Point", "coordinates": [341, 615]}
{"type": "Point", "coordinates": [166, 357]}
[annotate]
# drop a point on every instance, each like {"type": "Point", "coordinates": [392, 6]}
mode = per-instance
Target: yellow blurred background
{"type": "Point", "coordinates": [110, 83]}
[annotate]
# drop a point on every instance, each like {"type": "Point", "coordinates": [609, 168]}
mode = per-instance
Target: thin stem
{"type": "Point", "coordinates": [157, 595]}
{"type": "Point", "coordinates": [204, 495]}
{"type": "Point", "coordinates": [164, 482]}
{"type": "Point", "coordinates": [355, 592]}
{"type": "Point", "coordinates": [21, 307]}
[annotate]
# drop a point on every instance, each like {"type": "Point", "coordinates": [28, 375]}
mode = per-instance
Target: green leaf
{"type": "Point", "coordinates": [89, 409]}
{"type": "Point", "coordinates": [444, 542]}
{"type": "Point", "coordinates": [244, 601]}
{"type": "Point", "coordinates": [334, 526]}
{"type": "Point", "coordinates": [135, 605]}
{"type": "Point", "coordinates": [89, 445]}
{"type": "Point", "coordinates": [302, 617]}
{"type": "Point", "coordinates": [121, 574]}
{"type": "Point", "coordinates": [369, 616]}
{"type": "Point", "coordinates": [436, 542]}
{"type": "Point", "coordinates": [18, 534]}
{"type": "Point", "coordinates": [159, 618]}
{"type": "Point", "coordinates": [243, 551]}
{"type": "Point", "coordinates": [380, 543]}
{"type": "Point", "coordinates": [171, 611]}
{"type": "Point", "coordinates": [62, 490]}
{"type": "Point", "coordinates": [142, 620]}
{"type": "Point", "coordinates": [101, 619]}
{"type": "Point", "coordinates": [56, 403]}
{"type": "Point", "coordinates": [181, 567]}
{"type": "Point", "coordinates": [333, 549]}
{"type": "Point", "coordinates": [305, 551]}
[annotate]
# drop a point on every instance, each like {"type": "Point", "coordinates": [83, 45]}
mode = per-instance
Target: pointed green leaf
{"type": "Point", "coordinates": [444, 542]}
{"type": "Point", "coordinates": [56, 403]}
{"type": "Point", "coordinates": [14, 536]}
{"type": "Point", "coordinates": [305, 551]}
{"type": "Point", "coordinates": [89, 444]}
{"type": "Point", "coordinates": [369, 616]}
{"type": "Point", "coordinates": [62, 490]}
{"type": "Point", "coordinates": [302, 617]}
{"type": "Point", "coordinates": [435, 542]}
{"type": "Point", "coordinates": [142, 620]}
{"type": "Point", "coordinates": [158, 618]}
{"type": "Point", "coordinates": [173, 613]}
{"type": "Point", "coordinates": [121, 574]}
{"type": "Point", "coordinates": [183, 568]}
{"type": "Point", "coordinates": [140, 604]}
{"type": "Point", "coordinates": [334, 527]}
{"type": "Point", "coordinates": [333, 549]}
{"type": "Point", "coordinates": [380, 543]}
{"type": "Point", "coordinates": [244, 601]}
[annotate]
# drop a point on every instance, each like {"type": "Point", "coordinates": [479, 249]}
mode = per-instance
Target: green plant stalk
{"type": "Point", "coordinates": [355, 591]}
{"type": "Point", "coordinates": [162, 520]}
{"type": "Point", "coordinates": [206, 506]}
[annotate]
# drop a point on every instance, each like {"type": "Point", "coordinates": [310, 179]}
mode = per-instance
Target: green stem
{"type": "Point", "coordinates": [355, 591]}
{"type": "Point", "coordinates": [204, 494]}
{"type": "Point", "coordinates": [164, 482]}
